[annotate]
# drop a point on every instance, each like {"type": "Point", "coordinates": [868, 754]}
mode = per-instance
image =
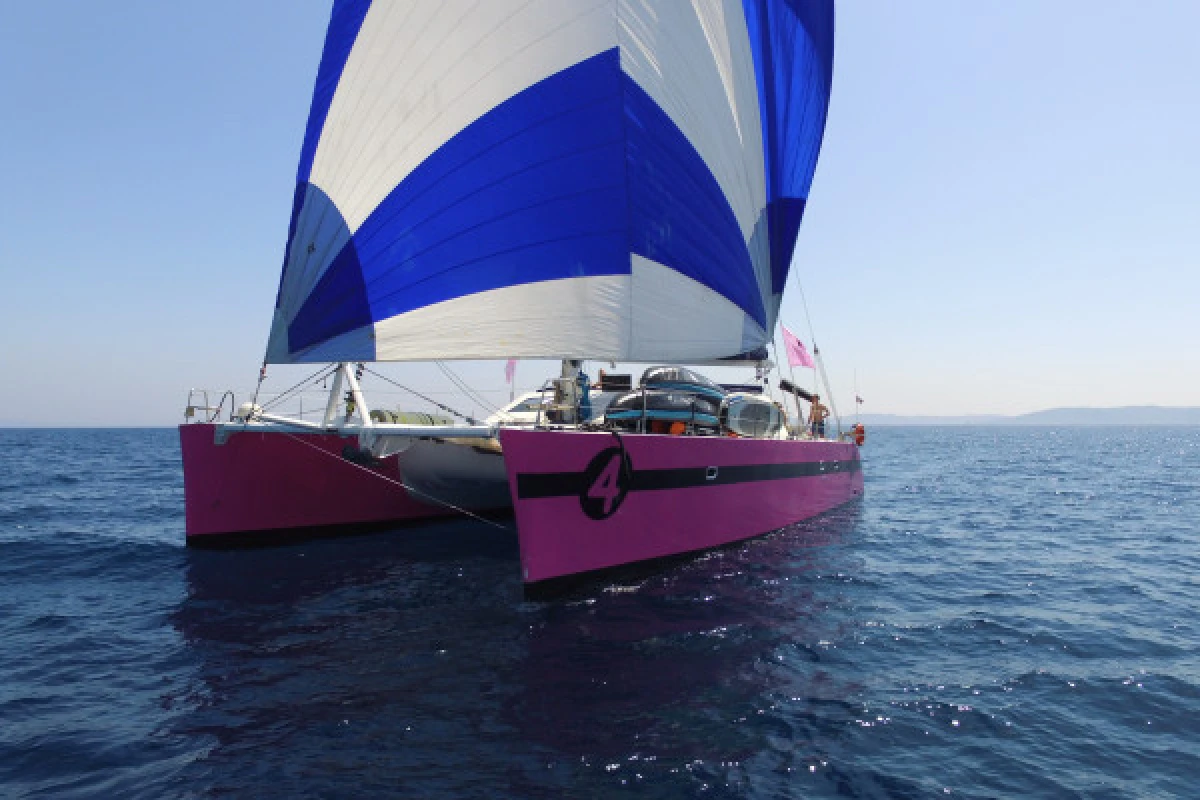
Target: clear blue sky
{"type": "Point", "coordinates": [1006, 215]}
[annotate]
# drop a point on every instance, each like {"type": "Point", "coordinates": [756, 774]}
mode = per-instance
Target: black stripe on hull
{"type": "Point", "coordinates": [538, 485]}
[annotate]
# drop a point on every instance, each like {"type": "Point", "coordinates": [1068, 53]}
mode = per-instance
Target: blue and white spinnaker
{"type": "Point", "coordinates": [608, 179]}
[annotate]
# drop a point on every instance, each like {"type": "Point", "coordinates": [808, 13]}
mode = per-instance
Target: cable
{"type": "Point", "coordinates": [310, 379]}
{"type": "Point", "coordinates": [454, 381]}
{"type": "Point", "coordinates": [403, 485]}
{"type": "Point", "coordinates": [817, 353]}
{"type": "Point", "coordinates": [471, 420]}
{"type": "Point", "coordinates": [262, 376]}
{"type": "Point", "coordinates": [461, 384]}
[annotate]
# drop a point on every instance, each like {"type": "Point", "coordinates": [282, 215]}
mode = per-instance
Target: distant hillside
{"type": "Point", "coordinates": [1127, 415]}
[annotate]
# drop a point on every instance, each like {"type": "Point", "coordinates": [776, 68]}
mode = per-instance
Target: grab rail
{"type": "Point", "coordinates": [211, 413]}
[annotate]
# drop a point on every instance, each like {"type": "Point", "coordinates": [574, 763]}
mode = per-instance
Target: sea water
{"type": "Point", "coordinates": [1009, 612]}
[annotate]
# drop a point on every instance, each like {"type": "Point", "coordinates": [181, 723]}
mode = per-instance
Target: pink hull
{"type": "Point", "coordinates": [258, 482]}
{"type": "Point", "coordinates": [578, 510]}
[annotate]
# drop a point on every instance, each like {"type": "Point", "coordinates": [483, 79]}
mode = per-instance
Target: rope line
{"type": "Point", "coordinates": [262, 376]}
{"type": "Point", "coordinates": [287, 392]}
{"type": "Point", "coordinates": [817, 352]}
{"type": "Point", "coordinates": [427, 399]}
{"type": "Point", "coordinates": [462, 385]}
{"type": "Point", "coordinates": [402, 485]}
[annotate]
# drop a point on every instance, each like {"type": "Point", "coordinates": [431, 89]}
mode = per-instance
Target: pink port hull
{"type": "Point", "coordinates": [258, 482]}
{"type": "Point", "coordinates": [578, 510]}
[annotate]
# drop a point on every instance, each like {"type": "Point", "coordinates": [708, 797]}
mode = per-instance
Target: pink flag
{"type": "Point", "coordinates": [797, 355]}
{"type": "Point", "coordinates": [510, 370]}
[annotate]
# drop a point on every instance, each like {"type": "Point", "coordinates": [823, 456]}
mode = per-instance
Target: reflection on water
{"type": "Point", "coordinates": [687, 664]}
{"type": "Point", "coordinates": [412, 659]}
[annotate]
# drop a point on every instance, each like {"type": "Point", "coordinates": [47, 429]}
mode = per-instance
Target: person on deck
{"type": "Point", "coordinates": [817, 416]}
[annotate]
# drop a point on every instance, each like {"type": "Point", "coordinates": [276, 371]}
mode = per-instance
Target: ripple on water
{"type": "Point", "coordinates": [1008, 612]}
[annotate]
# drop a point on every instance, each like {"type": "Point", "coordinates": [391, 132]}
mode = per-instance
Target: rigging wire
{"type": "Point", "coordinates": [262, 376]}
{"type": "Point", "coordinates": [462, 385]}
{"type": "Point", "coordinates": [403, 485]}
{"type": "Point", "coordinates": [322, 373]}
{"type": "Point", "coordinates": [817, 352]}
{"type": "Point", "coordinates": [427, 399]}
{"type": "Point", "coordinates": [767, 379]}
{"type": "Point", "coordinates": [455, 381]}
{"type": "Point", "coordinates": [791, 374]}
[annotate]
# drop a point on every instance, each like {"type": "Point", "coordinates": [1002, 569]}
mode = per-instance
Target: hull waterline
{"type": "Point", "coordinates": [588, 501]}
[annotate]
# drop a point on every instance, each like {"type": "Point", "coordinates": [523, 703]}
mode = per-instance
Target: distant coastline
{"type": "Point", "coordinates": [1124, 415]}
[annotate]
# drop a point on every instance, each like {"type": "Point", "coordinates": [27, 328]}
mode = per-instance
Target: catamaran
{"type": "Point", "coordinates": [604, 180]}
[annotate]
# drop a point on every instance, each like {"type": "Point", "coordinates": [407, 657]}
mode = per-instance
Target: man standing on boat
{"type": "Point", "coordinates": [816, 417]}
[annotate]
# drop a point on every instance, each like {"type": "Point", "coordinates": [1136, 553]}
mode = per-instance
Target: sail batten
{"type": "Point", "coordinates": [588, 178]}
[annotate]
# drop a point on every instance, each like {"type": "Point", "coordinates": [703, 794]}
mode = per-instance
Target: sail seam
{"type": "Point", "coordinates": [522, 246]}
{"type": "Point", "coordinates": [476, 189]}
{"type": "Point", "coordinates": [625, 164]}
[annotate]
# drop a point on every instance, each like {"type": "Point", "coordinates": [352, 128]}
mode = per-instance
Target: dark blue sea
{"type": "Point", "coordinates": [1009, 612]}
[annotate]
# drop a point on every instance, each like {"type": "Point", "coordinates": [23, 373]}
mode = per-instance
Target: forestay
{"type": "Point", "coordinates": [609, 179]}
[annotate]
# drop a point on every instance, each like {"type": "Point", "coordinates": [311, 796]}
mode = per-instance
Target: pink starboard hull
{"type": "Point", "coordinates": [259, 482]}
{"type": "Point", "coordinates": [578, 509]}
